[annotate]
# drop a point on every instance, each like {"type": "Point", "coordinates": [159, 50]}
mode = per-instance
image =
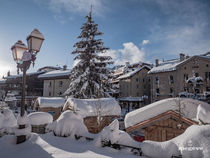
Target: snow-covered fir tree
{"type": "Point", "coordinates": [89, 77]}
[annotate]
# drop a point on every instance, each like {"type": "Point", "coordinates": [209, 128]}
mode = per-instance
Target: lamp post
{"type": "Point", "coordinates": [24, 57]}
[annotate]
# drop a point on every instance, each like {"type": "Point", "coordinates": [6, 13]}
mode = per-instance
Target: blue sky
{"type": "Point", "coordinates": [134, 30]}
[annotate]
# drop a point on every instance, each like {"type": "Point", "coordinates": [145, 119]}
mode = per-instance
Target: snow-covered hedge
{"type": "Point", "coordinates": [69, 124]}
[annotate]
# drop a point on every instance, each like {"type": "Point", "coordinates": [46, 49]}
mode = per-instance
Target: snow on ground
{"type": "Point", "coordinates": [193, 143]}
{"type": "Point", "coordinates": [49, 146]}
{"type": "Point", "coordinates": [93, 107]}
{"type": "Point", "coordinates": [188, 109]}
{"type": "Point", "coordinates": [40, 118]}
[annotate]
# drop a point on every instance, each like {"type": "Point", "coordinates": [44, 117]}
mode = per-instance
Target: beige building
{"type": "Point", "coordinates": [134, 88]}
{"type": "Point", "coordinates": [184, 77]}
{"type": "Point", "coordinates": [55, 82]}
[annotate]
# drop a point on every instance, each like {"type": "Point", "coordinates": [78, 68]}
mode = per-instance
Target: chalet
{"type": "Point", "coordinates": [52, 105]}
{"type": "Point", "coordinates": [96, 113]}
{"type": "Point", "coordinates": [164, 119]}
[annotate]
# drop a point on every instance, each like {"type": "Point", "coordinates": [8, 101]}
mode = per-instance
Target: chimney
{"type": "Point", "coordinates": [64, 67]}
{"type": "Point", "coordinates": [181, 55]}
{"type": "Point", "coordinates": [156, 62]}
{"type": "Point", "coordinates": [127, 64]}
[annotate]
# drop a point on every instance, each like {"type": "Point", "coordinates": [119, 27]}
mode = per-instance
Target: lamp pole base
{"type": "Point", "coordinates": [21, 138]}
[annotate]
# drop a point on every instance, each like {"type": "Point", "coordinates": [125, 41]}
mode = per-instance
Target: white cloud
{"type": "Point", "coordinates": [145, 42]}
{"type": "Point", "coordinates": [130, 53]}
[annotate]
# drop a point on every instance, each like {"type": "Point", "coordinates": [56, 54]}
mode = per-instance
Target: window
{"type": "Point", "coordinates": [171, 92]}
{"type": "Point", "coordinates": [50, 84]}
{"type": "Point", "coordinates": [137, 86]}
{"type": "Point", "coordinates": [196, 74]}
{"type": "Point", "coordinates": [207, 65]}
{"type": "Point", "coordinates": [171, 79]}
{"type": "Point", "coordinates": [207, 75]}
{"type": "Point", "coordinates": [60, 83]}
{"type": "Point", "coordinates": [157, 92]}
{"type": "Point", "coordinates": [185, 77]}
{"type": "Point", "coordinates": [49, 93]}
{"type": "Point", "coordinates": [60, 93]}
{"type": "Point", "coordinates": [143, 80]}
{"type": "Point", "coordinates": [137, 80]}
{"type": "Point", "coordinates": [186, 89]}
{"type": "Point", "coordinates": [157, 80]}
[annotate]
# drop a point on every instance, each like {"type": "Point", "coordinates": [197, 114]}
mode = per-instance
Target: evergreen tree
{"type": "Point", "coordinates": [89, 77]}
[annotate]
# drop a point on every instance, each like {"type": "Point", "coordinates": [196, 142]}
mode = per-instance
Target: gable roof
{"type": "Point", "coordinates": [172, 65]}
{"type": "Point", "coordinates": [55, 73]}
{"type": "Point", "coordinates": [132, 73]}
{"type": "Point", "coordinates": [188, 109]}
{"type": "Point", "coordinates": [159, 117]}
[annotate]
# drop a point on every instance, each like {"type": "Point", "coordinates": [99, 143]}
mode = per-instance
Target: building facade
{"type": "Point", "coordinates": [55, 83]}
{"type": "Point", "coordinates": [134, 88]}
{"type": "Point", "coordinates": [184, 77]}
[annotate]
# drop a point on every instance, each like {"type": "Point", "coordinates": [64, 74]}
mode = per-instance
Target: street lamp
{"type": "Point", "coordinates": [24, 57]}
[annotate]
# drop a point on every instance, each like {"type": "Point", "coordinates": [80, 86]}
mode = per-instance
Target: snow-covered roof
{"type": "Point", "coordinates": [28, 74]}
{"type": "Point", "coordinates": [171, 65]}
{"type": "Point", "coordinates": [93, 107]}
{"type": "Point", "coordinates": [40, 118]}
{"type": "Point", "coordinates": [55, 73]}
{"type": "Point", "coordinates": [2, 81]}
{"type": "Point", "coordinates": [165, 66]}
{"type": "Point", "coordinates": [53, 102]}
{"type": "Point", "coordinates": [188, 109]}
{"type": "Point", "coordinates": [130, 74]}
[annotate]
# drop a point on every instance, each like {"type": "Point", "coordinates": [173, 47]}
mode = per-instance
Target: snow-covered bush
{"type": "Point", "coordinates": [69, 124]}
{"type": "Point", "coordinates": [154, 149]}
{"type": "Point", "coordinates": [113, 135]}
{"type": "Point", "coordinates": [7, 121]}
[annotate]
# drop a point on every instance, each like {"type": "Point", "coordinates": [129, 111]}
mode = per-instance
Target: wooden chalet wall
{"type": "Point", "coordinates": [162, 127]}
{"type": "Point", "coordinates": [95, 126]}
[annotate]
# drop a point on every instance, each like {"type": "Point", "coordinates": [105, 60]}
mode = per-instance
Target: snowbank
{"type": "Point", "coordinates": [93, 107]}
{"type": "Point", "coordinates": [203, 113]}
{"type": "Point", "coordinates": [54, 102]}
{"type": "Point", "coordinates": [40, 118]}
{"type": "Point", "coordinates": [9, 118]}
{"type": "Point", "coordinates": [69, 124]}
{"type": "Point", "coordinates": [193, 143]}
{"type": "Point", "coordinates": [188, 109]}
{"type": "Point", "coordinates": [115, 136]}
